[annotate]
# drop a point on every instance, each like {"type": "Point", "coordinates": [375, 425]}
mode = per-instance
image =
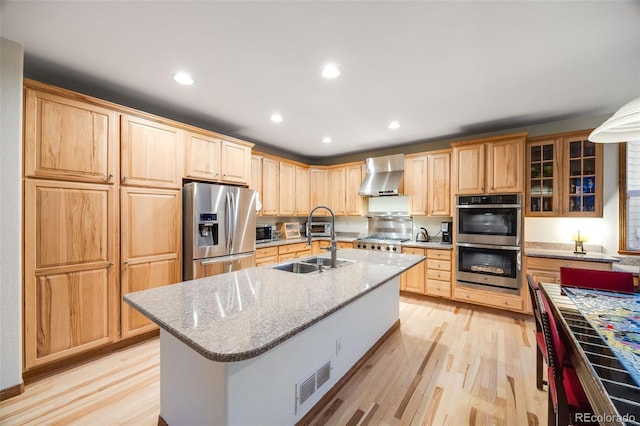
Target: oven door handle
{"type": "Point", "coordinates": [488, 206]}
{"type": "Point", "coordinates": [489, 246]}
{"type": "Point", "coordinates": [519, 261]}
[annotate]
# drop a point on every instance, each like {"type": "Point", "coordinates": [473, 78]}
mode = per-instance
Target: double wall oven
{"type": "Point", "coordinates": [489, 241]}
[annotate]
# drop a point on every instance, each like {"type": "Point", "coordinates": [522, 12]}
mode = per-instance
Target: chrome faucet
{"type": "Point", "coordinates": [334, 245]}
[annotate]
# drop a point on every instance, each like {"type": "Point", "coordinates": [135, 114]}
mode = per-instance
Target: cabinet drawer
{"type": "Point", "coordinates": [504, 301]}
{"type": "Point", "coordinates": [438, 288]}
{"type": "Point", "coordinates": [439, 275]}
{"type": "Point", "coordinates": [555, 264]}
{"type": "Point", "coordinates": [292, 248]}
{"type": "Point", "coordinates": [266, 252]}
{"type": "Point", "coordinates": [439, 254]}
{"type": "Point", "coordinates": [305, 252]}
{"type": "Point", "coordinates": [266, 260]}
{"type": "Point", "coordinates": [442, 265]}
{"type": "Point", "coordinates": [286, 256]}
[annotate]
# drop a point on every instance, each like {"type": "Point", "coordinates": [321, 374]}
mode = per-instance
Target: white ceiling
{"type": "Point", "coordinates": [442, 69]}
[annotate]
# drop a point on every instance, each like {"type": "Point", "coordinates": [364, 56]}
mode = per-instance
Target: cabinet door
{"type": "Point", "coordinates": [151, 153]}
{"type": "Point", "coordinates": [353, 182]}
{"type": "Point", "coordinates": [202, 157]}
{"type": "Point", "coordinates": [415, 184]}
{"type": "Point", "coordinates": [469, 169]}
{"type": "Point", "coordinates": [415, 277]}
{"type": "Point", "coordinates": [505, 162]}
{"type": "Point", "coordinates": [235, 163]}
{"type": "Point", "coordinates": [438, 184]}
{"type": "Point", "coordinates": [543, 177]}
{"type": "Point", "coordinates": [319, 191]}
{"type": "Point", "coordinates": [287, 187]}
{"type": "Point", "coordinates": [256, 178]}
{"type": "Point", "coordinates": [338, 190]}
{"type": "Point", "coordinates": [270, 186]}
{"type": "Point", "coordinates": [151, 232]}
{"type": "Point", "coordinates": [582, 180]}
{"type": "Point", "coordinates": [70, 294]}
{"type": "Point", "coordinates": [68, 139]}
{"type": "Point", "coordinates": [302, 191]}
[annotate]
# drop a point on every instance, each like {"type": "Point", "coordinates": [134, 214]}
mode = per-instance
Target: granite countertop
{"type": "Point", "coordinates": [570, 255]}
{"type": "Point", "coordinates": [242, 314]}
{"type": "Point", "coordinates": [431, 244]}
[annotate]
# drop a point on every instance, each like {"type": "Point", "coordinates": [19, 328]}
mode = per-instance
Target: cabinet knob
{"type": "Point", "coordinates": [126, 262]}
{"type": "Point", "coordinates": [124, 178]}
{"type": "Point", "coordinates": [110, 264]}
{"type": "Point", "coordinates": [110, 176]}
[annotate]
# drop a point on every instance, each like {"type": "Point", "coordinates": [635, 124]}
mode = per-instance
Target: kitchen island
{"type": "Point", "coordinates": [262, 345]}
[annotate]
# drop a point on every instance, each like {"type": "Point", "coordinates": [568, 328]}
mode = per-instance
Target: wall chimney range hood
{"type": "Point", "coordinates": [383, 175]}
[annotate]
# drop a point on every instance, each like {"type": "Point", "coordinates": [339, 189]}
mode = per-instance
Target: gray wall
{"type": "Point", "coordinates": [11, 62]}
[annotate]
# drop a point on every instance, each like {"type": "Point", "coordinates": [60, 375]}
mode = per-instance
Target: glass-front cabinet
{"type": "Point", "coordinates": [564, 176]}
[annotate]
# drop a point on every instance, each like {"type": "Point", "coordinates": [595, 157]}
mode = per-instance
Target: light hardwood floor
{"type": "Point", "coordinates": [448, 364]}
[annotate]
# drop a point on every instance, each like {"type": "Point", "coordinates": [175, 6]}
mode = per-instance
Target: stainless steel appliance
{"type": "Point", "coordinates": [386, 233]}
{"type": "Point", "coordinates": [218, 229]}
{"type": "Point", "coordinates": [318, 229]}
{"type": "Point", "coordinates": [488, 242]}
{"type": "Point", "coordinates": [383, 175]}
{"type": "Point", "coordinates": [446, 229]}
{"type": "Point", "coordinates": [264, 233]}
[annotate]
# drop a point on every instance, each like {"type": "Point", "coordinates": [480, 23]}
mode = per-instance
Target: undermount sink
{"type": "Point", "coordinates": [297, 268]}
{"type": "Point", "coordinates": [324, 261]}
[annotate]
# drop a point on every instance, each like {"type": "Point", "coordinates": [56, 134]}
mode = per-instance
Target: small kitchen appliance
{"type": "Point", "coordinates": [264, 233]}
{"type": "Point", "coordinates": [422, 236]}
{"type": "Point", "coordinates": [445, 229]}
{"type": "Point", "coordinates": [319, 229]}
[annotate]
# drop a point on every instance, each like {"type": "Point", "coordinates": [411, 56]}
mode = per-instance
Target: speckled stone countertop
{"type": "Point", "coordinates": [431, 244]}
{"type": "Point", "coordinates": [242, 314]}
{"type": "Point", "coordinates": [570, 255]}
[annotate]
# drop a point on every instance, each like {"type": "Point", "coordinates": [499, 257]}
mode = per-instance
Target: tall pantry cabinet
{"type": "Point", "coordinates": [70, 227]}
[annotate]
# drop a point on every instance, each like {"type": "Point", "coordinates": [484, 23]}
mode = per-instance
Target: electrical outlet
{"type": "Point", "coordinates": [338, 345]}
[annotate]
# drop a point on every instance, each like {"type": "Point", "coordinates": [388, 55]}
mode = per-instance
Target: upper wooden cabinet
{"type": "Point", "coordinates": [287, 194]}
{"type": "Point", "coordinates": [427, 179]}
{"type": "Point", "coordinates": [345, 181]}
{"type": "Point", "coordinates": [489, 166]}
{"type": "Point", "coordinates": [151, 236]}
{"type": "Point", "coordinates": [151, 153]}
{"type": "Point", "coordinates": [70, 293]}
{"type": "Point", "coordinates": [270, 186]}
{"type": "Point", "coordinates": [235, 162]}
{"type": "Point", "coordinates": [69, 139]}
{"type": "Point", "coordinates": [302, 191]}
{"type": "Point", "coordinates": [564, 176]}
{"type": "Point", "coordinates": [319, 191]}
{"type": "Point", "coordinates": [202, 157]}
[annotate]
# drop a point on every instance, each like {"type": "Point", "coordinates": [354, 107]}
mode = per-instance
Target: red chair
{"type": "Point", "coordinates": [566, 394]}
{"type": "Point", "coordinates": [599, 280]}
{"type": "Point", "coordinates": [541, 353]}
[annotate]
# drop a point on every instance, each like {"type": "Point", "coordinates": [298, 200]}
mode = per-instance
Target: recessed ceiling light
{"type": "Point", "coordinates": [326, 139]}
{"type": "Point", "coordinates": [276, 118]}
{"type": "Point", "coordinates": [394, 125]}
{"type": "Point", "coordinates": [183, 78]}
{"type": "Point", "coordinates": [330, 71]}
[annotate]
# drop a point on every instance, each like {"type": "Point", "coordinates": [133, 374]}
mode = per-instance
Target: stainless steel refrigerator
{"type": "Point", "coordinates": [219, 229]}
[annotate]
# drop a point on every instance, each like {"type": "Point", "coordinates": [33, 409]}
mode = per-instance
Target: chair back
{"type": "Point", "coordinates": [556, 351]}
{"type": "Point", "coordinates": [599, 280]}
{"type": "Point", "coordinates": [533, 288]}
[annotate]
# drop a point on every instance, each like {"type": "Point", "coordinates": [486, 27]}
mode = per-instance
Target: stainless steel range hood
{"type": "Point", "coordinates": [383, 176]}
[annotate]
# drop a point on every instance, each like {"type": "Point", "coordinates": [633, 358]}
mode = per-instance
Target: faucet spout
{"type": "Point", "coordinates": [334, 245]}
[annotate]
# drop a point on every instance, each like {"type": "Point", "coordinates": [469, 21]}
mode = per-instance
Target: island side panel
{"type": "Point", "coordinates": [261, 390]}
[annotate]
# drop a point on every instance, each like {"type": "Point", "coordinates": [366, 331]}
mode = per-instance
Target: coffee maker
{"type": "Point", "coordinates": [446, 228]}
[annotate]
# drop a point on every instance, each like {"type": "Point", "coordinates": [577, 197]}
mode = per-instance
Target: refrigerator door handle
{"type": "Point", "coordinates": [227, 221]}
{"type": "Point", "coordinates": [225, 258]}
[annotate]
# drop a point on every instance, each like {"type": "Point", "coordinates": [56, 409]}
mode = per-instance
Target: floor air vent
{"type": "Point", "coordinates": [307, 387]}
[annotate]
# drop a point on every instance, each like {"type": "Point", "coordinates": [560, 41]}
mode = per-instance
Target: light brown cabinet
{"type": "Point", "coordinates": [68, 139]}
{"type": "Point", "coordinates": [546, 270]}
{"type": "Point", "coordinates": [202, 157]}
{"type": "Point", "coordinates": [564, 176]}
{"type": "Point", "coordinates": [150, 153]}
{"type": "Point", "coordinates": [266, 255]}
{"type": "Point", "coordinates": [151, 235]}
{"type": "Point", "coordinates": [292, 251]}
{"type": "Point", "coordinates": [438, 282]}
{"type": "Point", "coordinates": [414, 279]}
{"type": "Point", "coordinates": [338, 179]}
{"type": "Point", "coordinates": [287, 188]}
{"type": "Point", "coordinates": [427, 180]}
{"type": "Point", "coordinates": [345, 181]}
{"type": "Point", "coordinates": [492, 165]}
{"type": "Point", "coordinates": [235, 162]}
{"type": "Point", "coordinates": [319, 190]}
{"type": "Point", "coordinates": [301, 194]}
{"type": "Point", "coordinates": [70, 293]}
{"type": "Point", "coordinates": [270, 186]}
